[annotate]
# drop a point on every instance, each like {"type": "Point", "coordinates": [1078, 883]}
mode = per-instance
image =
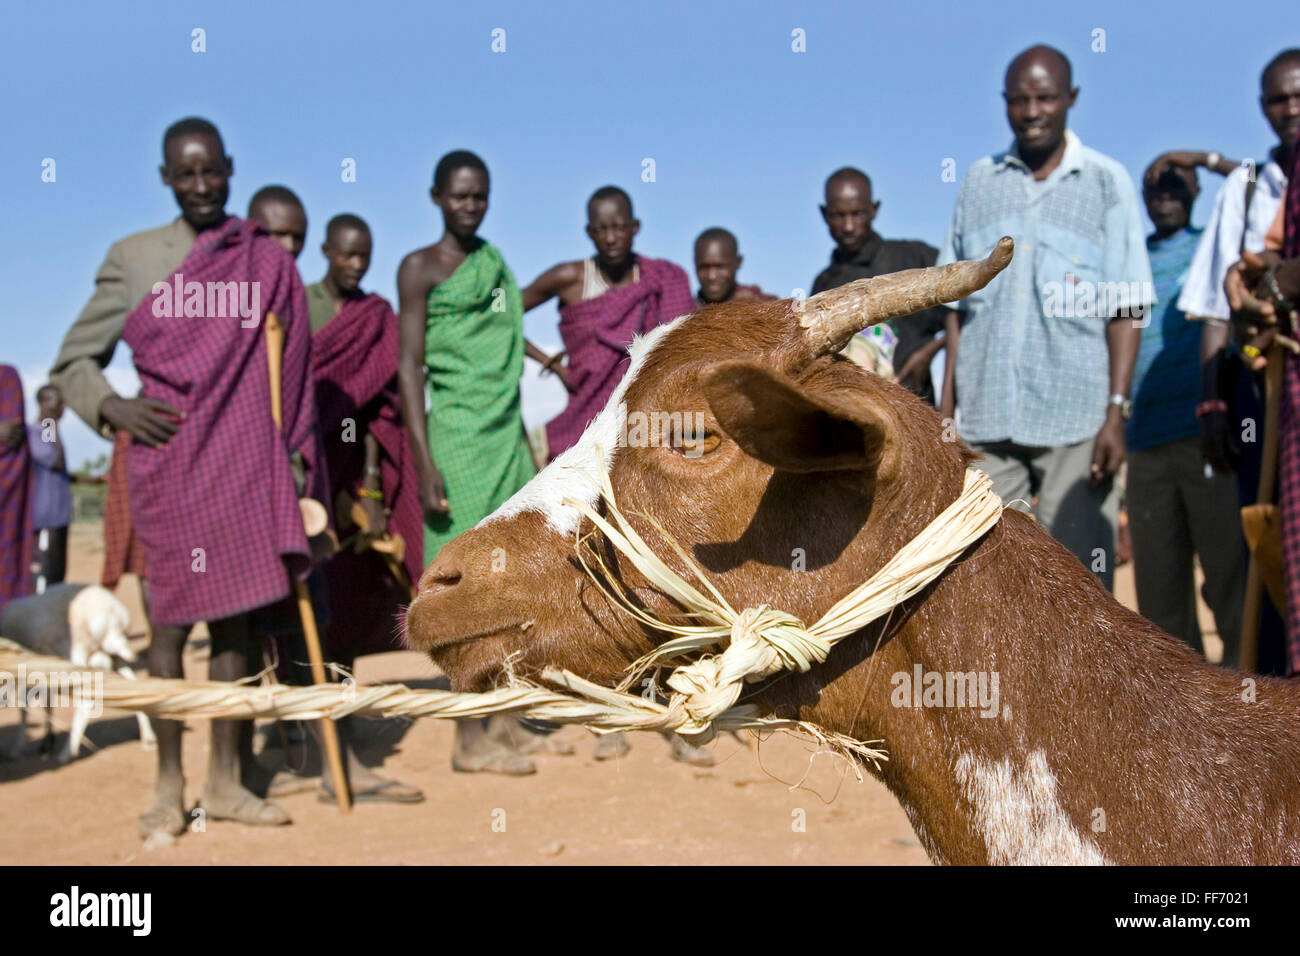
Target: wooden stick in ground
{"type": "Point", "coordinates": [274, 356]}
{"type": "Point", "coordinates": [1248, 655]}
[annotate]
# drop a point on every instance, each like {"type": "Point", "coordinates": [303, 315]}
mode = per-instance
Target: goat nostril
{"type": "Point", "coordinates": [438, 577]}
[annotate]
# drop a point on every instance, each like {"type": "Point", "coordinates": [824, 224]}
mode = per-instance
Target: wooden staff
{"type": "Point", "coordinates": [274, 356]}
{"type": "Point", "coordinates": [1248, 656]}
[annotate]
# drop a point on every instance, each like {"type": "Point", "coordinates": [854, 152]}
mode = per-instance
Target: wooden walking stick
{"type": "Point", "coordinates": [274, 356]}
{"type": "Point", "coordinates": [1261, 512]}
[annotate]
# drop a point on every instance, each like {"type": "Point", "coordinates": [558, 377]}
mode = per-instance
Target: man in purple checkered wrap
{"type": "Point", "coordinates": [213, 491]}
{"type": "Point", "coordinates": [605, 300]}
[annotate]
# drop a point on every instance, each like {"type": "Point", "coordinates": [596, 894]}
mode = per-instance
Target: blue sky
{"type": "Point", "coordinates": [742, 130]}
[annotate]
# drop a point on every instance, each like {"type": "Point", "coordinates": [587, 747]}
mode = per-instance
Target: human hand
{"type": "Point", "coordinates": [433, 493]}
{"type": "Point", "coordinates": [1108, 448]}
{"type": "Point", "coordinates": [153, 422]}
{"type": "Point", "coordinates": [1180, 158]}
{"type": "Point", "coordinates": [376, 518]}
{"type": "Point", "coordinates": [12, 433]}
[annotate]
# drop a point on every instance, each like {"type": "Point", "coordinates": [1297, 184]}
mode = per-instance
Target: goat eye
{"type": "Point", "coordinates": [695, 444]}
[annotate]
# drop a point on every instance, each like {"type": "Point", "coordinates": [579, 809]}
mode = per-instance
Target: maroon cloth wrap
{"type": "Point", "coordinates": [123, 553]}
{"type": "Point", "coordinates": [216, 508]}
{"type": "Point", "coordinates": [597, 333]}
{"type": "Point", "coordinates": [15, 495]}
{"type": "Point", "coordinates": [355, 358]}
{"type": "Point", "coordinates": [1289, 462]}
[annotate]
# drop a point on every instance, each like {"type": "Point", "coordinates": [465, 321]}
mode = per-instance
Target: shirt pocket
{"type": "Point", "coordinates": [1068, 273]}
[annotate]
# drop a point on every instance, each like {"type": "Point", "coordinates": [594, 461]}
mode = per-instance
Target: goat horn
{"type": "Point", "coordinates": [836, 315]}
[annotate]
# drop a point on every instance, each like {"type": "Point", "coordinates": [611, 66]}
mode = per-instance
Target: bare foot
{"type": "Point", "coordinates": [166, 816]}
{"type": "Point", "coordinates": [233, 802]}
{"type": "Point", "coordinates": [369, 787]}
{"type": "Point", "coordinates": [687, 752]}
{"type": "Point", "coordinates": [611, 745]}
{"type": "Point", "coordinates": [286, 783]}
{"type": "Point", "coordinates": [501, 761]}
{"type": "Point", "coordinates": [482, 754]}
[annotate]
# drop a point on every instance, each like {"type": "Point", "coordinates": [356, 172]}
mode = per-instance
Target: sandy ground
{"type": "Point", "coordinates": [644, 808]}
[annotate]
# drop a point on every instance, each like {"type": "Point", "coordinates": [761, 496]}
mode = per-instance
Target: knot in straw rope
{"type": "Point", "coordinates": [764, 641]}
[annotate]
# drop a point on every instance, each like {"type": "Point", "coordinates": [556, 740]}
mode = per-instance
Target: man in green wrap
{"type": "Point", "coordinates": [462, 342]}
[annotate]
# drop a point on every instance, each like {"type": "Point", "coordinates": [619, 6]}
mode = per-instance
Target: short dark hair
{"type": "Point", "coordinates": [456, 159]}
{"type": "Point", "coordinates": [715, 233]}
{"type": "Point", "coordinates": [281, 194]}
{"type": "Point", "coordinates": [1289, 56]}
{"type": "Point", "coordinates": [345, 220]}
{"type": "Point", "coordinates": [848, 173]}
{"type": "Point", "coordinates": [1051, 51]}
{"type": "Point", "coordinates": [610, 192]}
{"type": "Point", "coordinates": [47, 388]}
{"type": "Point", "coordinates": [190, 126]}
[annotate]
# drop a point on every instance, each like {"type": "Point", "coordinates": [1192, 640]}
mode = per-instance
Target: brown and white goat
{"type": "Point", "coordinates": [1113, 742]}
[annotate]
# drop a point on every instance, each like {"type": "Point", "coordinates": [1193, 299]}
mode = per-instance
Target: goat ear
{"type": "Point", "coordinates": [791, 426]}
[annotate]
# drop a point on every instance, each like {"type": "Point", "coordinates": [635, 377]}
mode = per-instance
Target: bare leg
{"type": "Point", "coordinates": [167, 813]}
{"type": "Point", "coordinates": [224, 796]}
{"type": "Point", "coordinates": [250, 771]}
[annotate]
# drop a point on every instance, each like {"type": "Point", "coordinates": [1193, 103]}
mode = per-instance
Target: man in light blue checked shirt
{"type": "Point", "coordinates": [1043, 367]}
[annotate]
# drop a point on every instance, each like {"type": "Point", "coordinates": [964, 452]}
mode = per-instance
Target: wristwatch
{"type": "Point", "coordinates": [1125, 405]}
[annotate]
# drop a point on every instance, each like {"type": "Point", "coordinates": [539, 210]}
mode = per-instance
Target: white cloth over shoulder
{"type": "Point", "coordinates": [1203, 296]}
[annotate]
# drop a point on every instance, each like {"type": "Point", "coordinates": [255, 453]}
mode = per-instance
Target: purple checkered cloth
{"type": "Point", "coordinates": [15, 493]}
{"type": "Point", "coordinates": [597, 334]}
{"type": "Point", "coordinates": [355, 357]}
{"type": "Point", "coordinates": [216, 509]}
{"type": "Point", "coordinates": [1289, 464]}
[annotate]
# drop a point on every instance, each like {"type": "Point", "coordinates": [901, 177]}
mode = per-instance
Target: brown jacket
{"type": "Point", "coordinates": [128, 274]}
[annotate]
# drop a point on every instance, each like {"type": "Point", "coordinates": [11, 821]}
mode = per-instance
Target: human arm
{"type": "Point", "coordinates": [919, 361]}
{"type": "Point", "coordinates": [1123, 336]}
{"type": "Point", "coordinates": [550, 363]}
{"type": "Point", "coordinates": [413, 287]}
{"type": "Point", "coordinates": [948, 391]}
{"type": "Point", "coordinates": [564, 280]}
{"type": "Point", "coordinates": [1189, 159]}
{"type": "Point", "coordinates": [371, 493]}
{"type": "Point", "coordinates": [1216, 438]}
{"type": "Point", "coordinates": [88, 347]}
{"type": "Point", "coordinates": [1125, 259]}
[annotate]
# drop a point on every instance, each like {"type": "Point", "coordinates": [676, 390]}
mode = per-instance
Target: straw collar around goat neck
{"type": "Point", "coordinates": [763, 641]}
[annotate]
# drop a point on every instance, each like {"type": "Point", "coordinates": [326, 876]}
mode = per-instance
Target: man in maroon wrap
{"type": "Point", "coordinates": [15, 486]}
{"type": "Point", "coordinates": [354, 353]}
{"type": "Point", "coordinates": [213, 494]}
{"type": "Point", "coordinates": [605, 301]}
{"type": "Point", "coordinates": [1264, 290]}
